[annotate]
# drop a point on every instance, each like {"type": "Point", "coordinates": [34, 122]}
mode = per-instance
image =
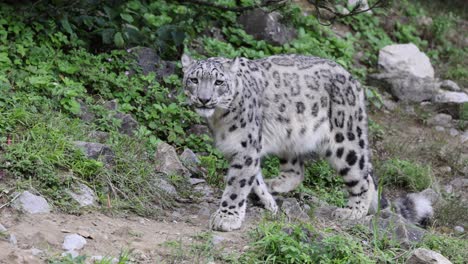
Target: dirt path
{"type": "Point", "coordinates": [108, 236]}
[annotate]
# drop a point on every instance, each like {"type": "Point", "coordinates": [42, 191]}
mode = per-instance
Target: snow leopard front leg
{"type": "Point", "coordinates": [242, 174]}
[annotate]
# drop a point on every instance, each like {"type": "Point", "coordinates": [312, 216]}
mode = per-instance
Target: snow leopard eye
{"type": "Point", "coordinates": [194, 80]}
{"type": "Point", "coordinates": [219, 82]}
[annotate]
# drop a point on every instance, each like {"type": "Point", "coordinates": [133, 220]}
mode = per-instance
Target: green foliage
{"type": "Point", "coordinates": [322, 180]}
{"type": "Point", "coordinates": [124, 258]}
{"type": "Point", "coordinates": [297, 243]}
{"type": "Point", "coordinates": [452, 248]}
{"type": "Point", "coordinates": [413, 176]}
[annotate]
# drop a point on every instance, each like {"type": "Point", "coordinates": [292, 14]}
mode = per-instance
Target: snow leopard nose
{"type": "Point", "coordinates": [204, 100]}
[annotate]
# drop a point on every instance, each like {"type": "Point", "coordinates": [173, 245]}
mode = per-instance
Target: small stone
{"type": "Point", "coordinates": [128, 124]}
{"type": "Point", "coordinates": [167, 161]}
{"type": "Point", "coordinates": [389, 104]}
{"type": "Point", "coordinates": [30, 203]}
{"type": "Point", "coordinates": [451, 97]}
{"type": "Point", "coordinates": [426, 256]}
{"type": "Point", "coordinates": [217, 239]}
{"type": "Point", "coordinates": [94, 150]}
{"type": "Point", "coordinates": [195, 181]}
{"type": "Point", "coordinates": [2, 229]}
{"type": "Point", "coordinates": [445, 169]}
{"type": "Point", "coordinates": [84, 195]}
{"type": "Point", "coordinates": [204, 211]}
{"type": "Point", "coordinates": [453, 132]}
{"type": "Point", "coordinates": [73, 242]}
{"type": "Point", "coordinates": [188, 157]}
{"type": "Point", "coordinates": [439, 128]}
{"type": "Point", "coordinates": [36, 252]}
{"type": "Point", "coordinates": [464, 137]}
{"type": "Point", "coordinates": [450, 85]}
{"type": "Point", "coordinates": [448, 188]}
{"type": "Point", "coordinates": [459, 229]}
{"type": "Point", "coordinates": [162, 184]}
{"type": "Point", "coordinates": [443, 120]}
{"type": "Point", "coordinates": [12, 239]}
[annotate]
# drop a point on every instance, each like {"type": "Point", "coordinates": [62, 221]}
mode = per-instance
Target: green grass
{"type": "Point", "coordinates": [407, 174]}
{"type": "Point", "coordinates": [452, 248]}
{"type": "Point", "coordinates": [276, 242]}
{"type": "Point", "coordinates": [123, 258]}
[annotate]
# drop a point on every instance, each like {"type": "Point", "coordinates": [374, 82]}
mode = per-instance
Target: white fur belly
{"type": "Point", "coordinates": [276, 140]}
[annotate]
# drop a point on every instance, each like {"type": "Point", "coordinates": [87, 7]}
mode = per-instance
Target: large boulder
{"type": "Point", "coordinates": [405, 58]}
{"type": "Point", "coordinates": [406, 72]}
{"type": "Point", "coordinates": [266, 26]}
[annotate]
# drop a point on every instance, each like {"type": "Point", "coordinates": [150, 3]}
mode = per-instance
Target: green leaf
{"type": "Point", "coordinates": [118, 40]}
{"type": "Point", "coordinates": [127, 17]}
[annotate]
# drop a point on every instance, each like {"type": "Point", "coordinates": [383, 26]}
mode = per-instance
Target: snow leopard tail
{"type": "Point", "coordinates": [414, 207]}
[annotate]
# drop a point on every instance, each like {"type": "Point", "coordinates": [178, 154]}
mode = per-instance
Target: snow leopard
{"type": "Point", "coordinates": [288, 106]}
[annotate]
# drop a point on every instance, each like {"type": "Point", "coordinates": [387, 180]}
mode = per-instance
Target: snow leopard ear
{"type": "Point", "coordinates": [186, 62]}
{"type": "Point", "coordinates": [234, 67]}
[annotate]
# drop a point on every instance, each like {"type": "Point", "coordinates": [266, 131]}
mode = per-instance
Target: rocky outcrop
{"type": "Point", "coordinates": [263, 25]}
{"type": "Point", "coordinates": [150, 62]}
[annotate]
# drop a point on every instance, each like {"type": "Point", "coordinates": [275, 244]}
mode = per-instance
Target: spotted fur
{"type": "Point", "coordinates": [289, 106]}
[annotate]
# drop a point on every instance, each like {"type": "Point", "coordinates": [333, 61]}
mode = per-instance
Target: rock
{"type": "Point", "coordinates": [94, 150]}
{"type": "Point", "coordinates": [128, 124]}
{"type": "Point", "coordinates": [389, 104]}
{"type": "Point", "coordinates": [459, 229]}
{"type": "Point", "coordinates": [450, 85]}
{"type": "Point", "coordinates": [199, 130]}
{"type": "Point", "coordinates": [99, 136]}
{"type": "Point", "coordinates": [2, 229]}
{"type": "Point", "coordinates": [83, 195]}
{"type": "Point", "coordinates": [194, 181]}
{"type": "Point", "coordinates": [439, 128]}
{"type": "Point", "coordinates": [451, 97]}
{"type": "Point", "coordinates": [404, 86]}
{"type": "Point", "coordinates": [464, 137]}
{"type": "Point", "coordinates": [406, 72]}
{"type": "Point", "coordinates": [167, 161]}
{"type": "Point", "coordinates": [426, 256]}
{"type": "Point", "coordinates": [453, 103]}
{"type": "Point", "coordinates": [36, 252]}
{"type": "Point", "coordinates": [190, 158]}
{"type": "Point", "coordinates": [162, 184]}
{"type": "Point", "coordinates": [85, 113]}
{"type": "Point", "coordinates": [264, 25]}
{"type": "Point", "coordinates": [396, 227]}
{"type": "Point", "coordinates": [73, 242]}
{"type": "Point", "coordinates": [191, 161]}
{"type": "Point", "coordinates": [442, 120]}
{"type": "Point", "coordinates": [217, 239]}
{"type": "Point", "coordinates": [31, 204]}
{"type": "Point", "coordinates": [12, 239]}
{"type": "Point", "coordinates": [363, 5]}
{"type": "Point", "coordinates": [150, 62]}
{"type": "Point", "coordinates": [293, 209]}
{"type": "Point", "coordinates": [453, 132]}
{"type": "Point", "coordinates": [406, 58]}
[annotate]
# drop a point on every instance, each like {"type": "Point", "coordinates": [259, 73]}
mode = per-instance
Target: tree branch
{"type": "Point", "coordinates": [320, 4]}
{"type": "Point", "coordinates": [237, 9]}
